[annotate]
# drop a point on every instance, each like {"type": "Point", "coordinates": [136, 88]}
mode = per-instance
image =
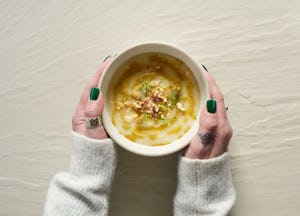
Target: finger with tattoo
{"type": "Point", "coordinates": [206, 139]}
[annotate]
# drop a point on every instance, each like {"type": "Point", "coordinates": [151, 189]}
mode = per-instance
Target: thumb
{"type": "Point", "coordinates": [201, 145]}
{"type": "Point", "coordinates": [94, 106]}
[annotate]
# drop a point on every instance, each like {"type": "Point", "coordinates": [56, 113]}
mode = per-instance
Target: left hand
{"type": "Point", "coordinates": [88, 108]}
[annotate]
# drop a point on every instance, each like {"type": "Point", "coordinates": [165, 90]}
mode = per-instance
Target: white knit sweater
{"type": "Point", "coordinates": [204, 186]}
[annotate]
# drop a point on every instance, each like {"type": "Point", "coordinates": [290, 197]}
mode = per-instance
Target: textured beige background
{"type": "Point", "coordinates": [48, 49]}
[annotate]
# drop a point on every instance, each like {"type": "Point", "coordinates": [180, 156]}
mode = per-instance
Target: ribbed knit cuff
{"type": "Point", "coordinates": [204, 187]}
{"type": "Point", "coordinates": [92, 156]}
{"type": "Point", "coordinates": [194, 171]}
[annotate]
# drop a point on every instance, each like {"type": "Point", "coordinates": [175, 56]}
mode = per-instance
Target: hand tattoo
{"type": "Point", "coordinates": [206, 139]}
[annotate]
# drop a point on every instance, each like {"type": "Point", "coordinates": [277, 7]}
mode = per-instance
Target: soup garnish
{"type": "Point", "coordinates": [155, 100]}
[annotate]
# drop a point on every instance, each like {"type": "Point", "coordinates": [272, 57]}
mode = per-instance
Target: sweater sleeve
{"type": "Point", "coordinates": [84, 190]}
{"type": "Point", "coordinates": [204, 187]}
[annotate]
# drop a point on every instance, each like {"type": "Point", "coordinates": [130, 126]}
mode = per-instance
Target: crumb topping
{"type": "Point", "coordinates": [153, 102]}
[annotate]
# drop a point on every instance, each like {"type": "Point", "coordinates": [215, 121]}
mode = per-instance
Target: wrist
{"type": "Point", "coordinates": [98, 133]}
{"type": "Point", "coordinates": [90, 155]}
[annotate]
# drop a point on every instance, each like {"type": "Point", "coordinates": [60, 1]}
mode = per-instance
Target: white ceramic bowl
{"type": "Point", "coordinates": [108, 75]}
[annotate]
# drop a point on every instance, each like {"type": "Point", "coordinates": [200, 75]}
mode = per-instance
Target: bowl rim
{"type": "Point", "coordinates": [119, 59]}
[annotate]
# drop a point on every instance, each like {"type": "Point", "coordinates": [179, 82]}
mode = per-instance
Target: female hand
{"type": "Point", "coordinates": [215, 130]}
{"type": "Point", "coordinates": [91, 107]}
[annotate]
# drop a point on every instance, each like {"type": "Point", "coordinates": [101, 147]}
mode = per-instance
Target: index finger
{"type": "Point", "coordinates": [93, 82]}
{"type": "Point", "coordinates": [216, 94]}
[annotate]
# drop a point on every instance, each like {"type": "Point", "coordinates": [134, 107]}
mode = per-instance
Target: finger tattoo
{"type": "Point", "coordinates": [206, 139]}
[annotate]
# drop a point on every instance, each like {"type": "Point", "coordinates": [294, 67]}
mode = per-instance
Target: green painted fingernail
{"type": "Point", "coordinates": [106, 58]}
{"type": "Point", "coordinates": [204, 67]}
{"type": "Point", "coordinates": [94, 93]}
{"type": "Point", "coordinates": [211, 106]}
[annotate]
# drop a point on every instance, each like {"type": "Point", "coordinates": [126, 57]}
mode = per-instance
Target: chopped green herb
{"type": "Point", "coordinates": [145, 88]}
{"type": "Point", "coordinates": [163, 107]}
{"type": "Point", "coordinates": [126, 128]}
{"type": "Point", "coordinates": [174, 96]}
{"type": "Point", "coordinates": [145, 119]}
{"type": "Point", "coordinates": [163, 120]}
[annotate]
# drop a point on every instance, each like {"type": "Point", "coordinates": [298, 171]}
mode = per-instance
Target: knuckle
{"type": "Point", "coordinates": [222, 123]}
{"type": "Point", "coordinates": [230, 132]}
{"type": "Point", "coordinates": [227, 132]}
{"type": "Point", "coordinates": [212, 125]}
{"type": "Point", "coordinates": [222, 97]}
{"type": "Point", "coordinates": [90, 111]}
{"type": "Point", "coordinates": [74, 119]}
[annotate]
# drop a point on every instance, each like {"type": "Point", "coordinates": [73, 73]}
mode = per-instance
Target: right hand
{"type": "Point", "coordinates": [215, 130]}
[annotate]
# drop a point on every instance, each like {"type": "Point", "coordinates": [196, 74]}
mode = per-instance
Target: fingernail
{"type": "Point", "coordinates": [94, 93]}
{"type": "Point", "coordinates": [211, 106]}
{"type": "Point", "coordinates": [106, 58]}
{"type": "Point", "coordinates": [204, 67]}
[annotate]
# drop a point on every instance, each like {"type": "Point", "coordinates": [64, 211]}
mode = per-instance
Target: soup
{"type": "Point", "coordinates": [155, 99]}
